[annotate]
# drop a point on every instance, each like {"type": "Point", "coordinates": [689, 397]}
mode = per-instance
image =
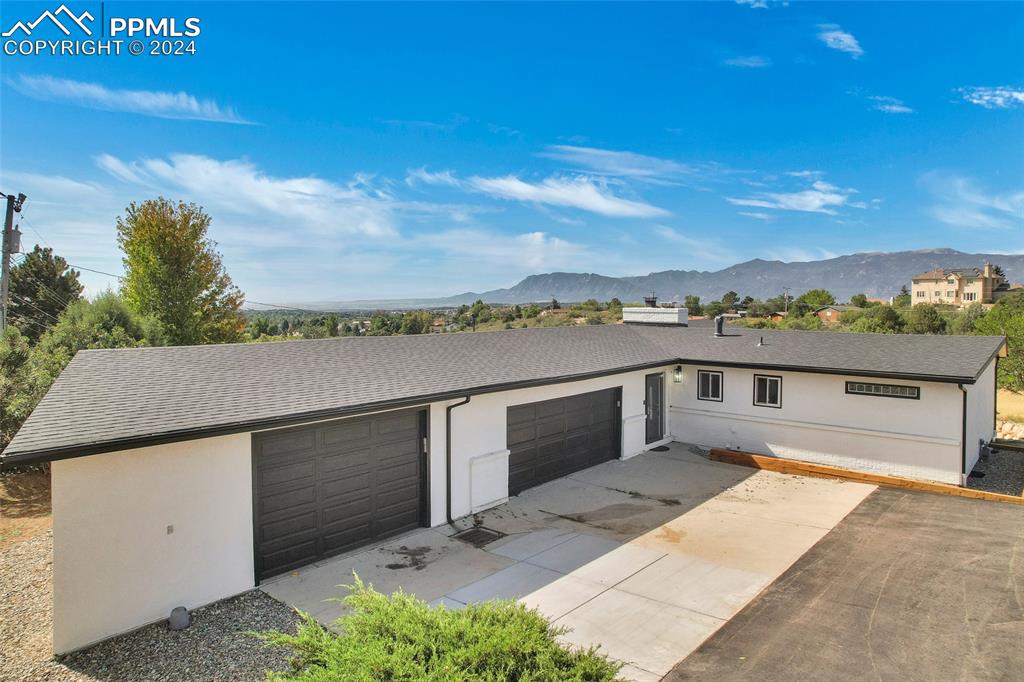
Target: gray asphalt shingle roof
{"type": "Point", "coordinates": [110, 399]}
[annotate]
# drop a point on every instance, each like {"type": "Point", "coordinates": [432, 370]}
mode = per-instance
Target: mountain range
{"type": "Point", "coordinates": [876, 274]}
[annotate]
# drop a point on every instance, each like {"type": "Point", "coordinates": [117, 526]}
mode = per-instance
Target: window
{"type": "Point", "coordinates": [950, 281]}
{"type": "Point", "coordinates": [970, 296]}
{"type": "Point", "coordinates": [920, 294]}
{"type": "Point", "coordinates": [883, 390]}
{"type": "Point", "coordinates": [709, 385]}
{"type": "Point", "coordinates": [767, 391]}
{"type": "Point", "coordinates": [950, 294]}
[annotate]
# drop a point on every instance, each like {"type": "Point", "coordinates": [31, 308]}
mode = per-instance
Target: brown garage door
{"type": "Point", "coordinates": [328, 488]}
{"type": "Point", "coordinates": [554, 438]}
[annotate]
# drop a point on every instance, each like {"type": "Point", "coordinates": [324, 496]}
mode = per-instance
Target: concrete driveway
{"type": "Point", "coordinates": [646, 558]}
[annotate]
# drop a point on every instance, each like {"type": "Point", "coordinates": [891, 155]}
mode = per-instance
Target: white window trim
{"type": "Point", "coordinates": [721, 385]}
{"type": "Point", "coordinates": [769, 377]}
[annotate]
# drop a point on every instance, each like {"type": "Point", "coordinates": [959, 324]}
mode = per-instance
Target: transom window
{"type": "Point", "coordinates": [883, 390]}
{"type": "Point", "coordinates": [709, 385]}
{"type": "Point", "coordinates": [767, 391]}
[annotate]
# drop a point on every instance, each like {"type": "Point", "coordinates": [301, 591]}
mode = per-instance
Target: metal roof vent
{"type": "Point", "coordinates": [720, 325]}
{"type": "Point", "coordinates": [760, 341]}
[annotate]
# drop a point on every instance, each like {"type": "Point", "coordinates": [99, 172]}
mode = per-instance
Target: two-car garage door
{"type": "Point", "coordinates": [329, 487]}
{"type": "Point", "coordinates": [554, 438]}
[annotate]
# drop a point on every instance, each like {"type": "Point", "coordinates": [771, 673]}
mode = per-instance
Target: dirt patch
{"type": "Point", "coordinates": [24, 506]}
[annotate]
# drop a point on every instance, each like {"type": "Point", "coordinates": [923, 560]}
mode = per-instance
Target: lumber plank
{"type": "Point", "coordinates": [791, 466]}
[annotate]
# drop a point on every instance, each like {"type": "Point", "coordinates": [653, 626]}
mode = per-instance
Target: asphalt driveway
{"type": "Point", "coordinates": [910, 586]}
{"type": "Point", "coordinates": [646, 558]}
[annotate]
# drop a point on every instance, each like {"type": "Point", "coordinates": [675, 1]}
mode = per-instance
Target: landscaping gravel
{"type": "Point", "coordinates": [215, 647]}
{"type": "Point", "coordinates": [1003, 471]}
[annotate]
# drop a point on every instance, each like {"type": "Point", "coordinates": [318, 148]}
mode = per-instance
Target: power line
{"type": "Point", "coordinates": [98, 272]}
{"type": "Point", "coordinates": [32, 305]}
{"type": "Point", "coordinates": [32, 227]}
{"type": "Point", "coordinates": [288, 307]}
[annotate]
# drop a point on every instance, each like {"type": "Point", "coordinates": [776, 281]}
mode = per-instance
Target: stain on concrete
{"type": "Point", "coordinates": [415, 558]}
{"type": "Point", "coordinates": [667, 534]}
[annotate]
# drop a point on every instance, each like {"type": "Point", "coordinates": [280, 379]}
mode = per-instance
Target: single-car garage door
{"type": "Point", "coordinates": [330, 487]}
{"type": "Point", "coordinates": [554, 438]}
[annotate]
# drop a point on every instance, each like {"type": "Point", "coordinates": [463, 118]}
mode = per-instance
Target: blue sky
{"type": "Point", "coordinates": [387, 150]}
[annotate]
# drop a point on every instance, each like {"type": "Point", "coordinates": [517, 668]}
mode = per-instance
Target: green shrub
{"type": "Point", "coordinates": [401, 638]}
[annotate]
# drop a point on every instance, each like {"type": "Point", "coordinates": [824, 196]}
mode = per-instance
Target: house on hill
{"type": "Point", "coordinates": [959, 286]}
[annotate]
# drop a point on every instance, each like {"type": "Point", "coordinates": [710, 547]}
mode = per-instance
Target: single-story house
{"type": "Point", "coordinates": [183, 475]}
{"type": "Point", "coordinates": [831, 313]}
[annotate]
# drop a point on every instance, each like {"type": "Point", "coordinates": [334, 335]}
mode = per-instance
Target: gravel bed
{"type": "Point", "coordinates": [1004, 472]}
{"type": "Point", "coordinates": [215, 647]}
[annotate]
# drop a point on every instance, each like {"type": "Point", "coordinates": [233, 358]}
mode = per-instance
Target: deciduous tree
{"type": "Point", "coordinates": [174, 273]}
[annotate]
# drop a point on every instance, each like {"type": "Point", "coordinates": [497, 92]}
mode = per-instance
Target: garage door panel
{"type": "Point", "coordinates": [521, 434]}
{"type": "Point", "coordinates": [334, 462]}
{"type": "Point", "coordinates": [289, 473]}
{"type": "Point", "coordinates": [402, 450]}
{"type": "Point", "coordinates": [347, 434]}
{"type": "Point", "coordinates": [356, 481]}
{"type": "Point", "coordinates": [295, 555]}
{"type": "Point", "coordinates": [290, 526]}
{"type": "Point", "coordinates": [568, 434]}
{"type": "Point", "coordinates": [287, 443]}
{"type": "Point", "coordinates": [550, 408]}
{"type": "Point", "coordinates": [296, 499]}
{"type": "Point", "coordinates": [521, 414]}
{"type": "Point", "coordinates": [347, 510]}
{"type": "Point", "coordinates": [551, 427]}
{"type": "Point", "coordinates": [396, 522]}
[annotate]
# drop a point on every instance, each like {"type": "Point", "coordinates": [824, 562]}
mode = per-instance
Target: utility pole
{"type": "Point", "coordinates": [785, 299]}
{"type": "Point", "coordinates": [14, 205]}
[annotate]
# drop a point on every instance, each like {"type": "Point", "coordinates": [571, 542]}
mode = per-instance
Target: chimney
{"type": "Point", "coordinates": [651, 301]}
{"type": "Point", "coordinates": [988, 269]}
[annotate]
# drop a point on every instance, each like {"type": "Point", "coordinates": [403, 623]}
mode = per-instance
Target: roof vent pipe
{"type": "Point", "coordinates": [720, 325]}
{"type": "Point", "coordinates": [760, 341]}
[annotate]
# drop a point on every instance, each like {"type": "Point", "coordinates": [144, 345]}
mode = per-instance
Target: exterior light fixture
{"type": "Point", "coordinates": [677, 374]}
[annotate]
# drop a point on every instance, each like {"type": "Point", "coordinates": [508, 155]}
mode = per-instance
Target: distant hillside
{"type": "Point", "coordinates": [875, 274]}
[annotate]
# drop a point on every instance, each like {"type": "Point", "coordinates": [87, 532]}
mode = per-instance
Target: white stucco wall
{"type": "Point", "coordinates": [116, 567]}
{"type": "Point", "coordinates": [479, 452]}
{"type": "Point", "coordinates": [819, 422]}
{"type": "Point", "coordinates": [981, 406]}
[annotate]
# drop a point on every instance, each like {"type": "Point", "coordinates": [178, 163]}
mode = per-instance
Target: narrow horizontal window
{"type": "Point", "coordinates": [883, 390]}
{"type": "Point", "coordinates": [709, 385]}
{"type": "Point", "coordinates": [767, 391]}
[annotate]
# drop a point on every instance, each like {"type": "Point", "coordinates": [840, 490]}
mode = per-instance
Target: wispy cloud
{"type": "Point", "coordinates": [757, 215]}
{"type": "Point", "coordinates": [836, 38]}
{"type": "Point", "coordinates": [580, 192]}
{"type": "Point", "coordinates": [999, 97]}
{"type": "Point", "coordinates": [820, 197]}
{"type": "Point", "coordinates": [751, 62]}
{"type": "Point", "coordinates": [172, 105]}
{"type": "Point", "coordinates": [890, 105]}
{"type": "Point", "coordinates": [962, 203]}
{"type": "Point", "coordinates": [618, 163]}
{"type": "Point", "coordinates": [754, 4]}
{"type": "Point", "coordinates": [240, 188]}
{"type": "Point", "coordinates": [584, 192]}
{"type": "Point", "coordinates": [535, 250]}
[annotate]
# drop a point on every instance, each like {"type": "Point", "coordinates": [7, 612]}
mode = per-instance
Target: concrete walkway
{"type": "Point", "coordinates": [646, 557]}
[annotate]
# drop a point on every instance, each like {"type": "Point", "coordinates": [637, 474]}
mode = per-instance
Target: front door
{"type": "Point", "coordinates": [655, 406]}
